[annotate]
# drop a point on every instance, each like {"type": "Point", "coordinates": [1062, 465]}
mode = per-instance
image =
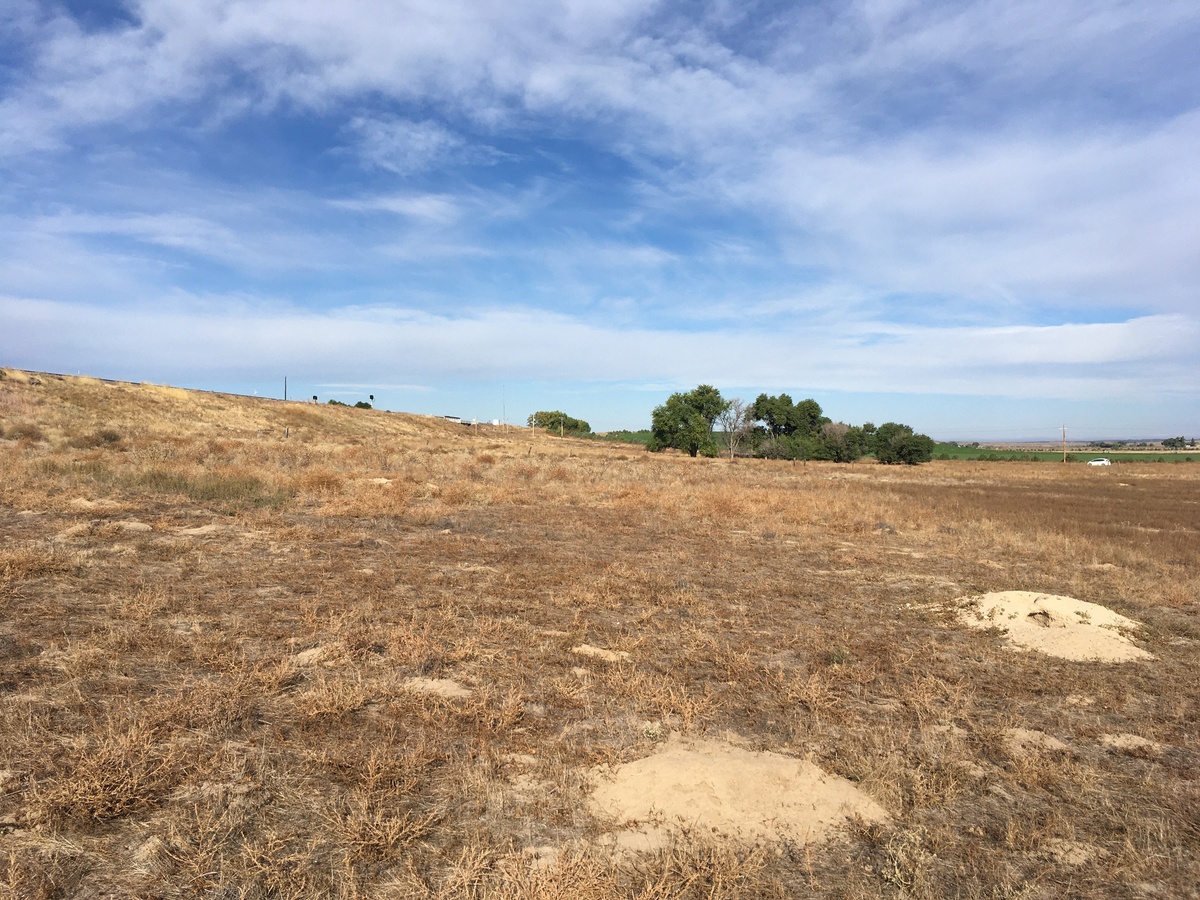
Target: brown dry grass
{"type": "Point", "coordinates": [169, 558]}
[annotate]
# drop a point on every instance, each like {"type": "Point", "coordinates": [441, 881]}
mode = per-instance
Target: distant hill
{"type": "Point", "coordinates": [63, 407]}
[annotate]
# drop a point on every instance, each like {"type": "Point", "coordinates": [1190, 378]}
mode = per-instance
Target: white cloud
{"type": "Point", "coordinates": [673, 83]}
{"type": "Point", "coordinates": [217, 235]}
{"type": "Point", "coordinates": [402, 146]}
{"type": "Point", "coordinates": [1083, 221]}
{"type": "Point", "coordinates": [437, 209]}
{"type": "Point", "coordinates": [209, 337]}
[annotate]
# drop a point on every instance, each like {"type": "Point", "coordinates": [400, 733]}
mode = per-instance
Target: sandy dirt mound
{"type": "Point", "coordinates": [601, 653]}
{"type": "Point", "coordinates": [1131, 743]}
{"type": "Point", "coordinates": [311, 656]}
{"type": "Point", "coordinates": [1058, 626]}
{"type": "Point", "coordinates": [717, 786]}
{"type": "Point", "coordinates": [442, 687]}
{"type": "Point", "coordinates": [1021, 742]}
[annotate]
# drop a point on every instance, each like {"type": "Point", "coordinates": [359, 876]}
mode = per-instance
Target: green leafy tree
{"type": "Point", "coordinates": [685, 421]}
{"type": "Point", "coordinates": [558, 423]}
{"type": "Point", "coordinates": [707, 401]}
{"type": "Point", "coordinates": [775, 413]}
{"type": "Point", "coordinates": [894, 443]}
{"type": "Point", "coordinates": [839, 442]}
{"type": "Point", "coordinates": [1175, 443]}
{"type": "Point", "coordinates": [783, 418]}
{"type": "Point", "coordinates": [808, 417]}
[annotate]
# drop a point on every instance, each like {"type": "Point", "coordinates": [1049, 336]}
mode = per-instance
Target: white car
{"type": "Point", "coordinates": [1099, 461]}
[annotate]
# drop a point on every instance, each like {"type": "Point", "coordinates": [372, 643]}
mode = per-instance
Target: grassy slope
{"type": "Point", "coordinates": [170, 557]}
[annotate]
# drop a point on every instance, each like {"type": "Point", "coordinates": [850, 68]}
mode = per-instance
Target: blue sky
{"type": "Point", "coordinates": [980, 218]}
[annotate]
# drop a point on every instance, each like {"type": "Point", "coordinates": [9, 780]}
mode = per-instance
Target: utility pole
{"type": "Point", "coordinates": [284, 387]}
{"type": "Point", "coordinates": [1064, 443]}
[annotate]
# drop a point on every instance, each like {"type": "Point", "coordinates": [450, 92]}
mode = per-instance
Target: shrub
{"type": "Point", "coordinates": [27, 431]}
{"type": "Point", "coordinates": [226, 489]}
{"type": "Point", "coordinates": [99, 438]}
{"type": "Point", "coordinates": [775, 448]}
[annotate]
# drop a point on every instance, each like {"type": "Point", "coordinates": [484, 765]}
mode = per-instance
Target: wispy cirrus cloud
{"type": "Point", "coordinates": [403, 146]}
{"type": "Point", "coordinates": [440, 209]}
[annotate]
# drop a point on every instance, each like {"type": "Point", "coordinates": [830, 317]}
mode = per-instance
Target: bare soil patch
{"type": "Point", "coordinates": [1058, 626]}
{"type": "Point", "coordinates": [441, 687]}
{"type": "Point", "coordinates": [716, 786]}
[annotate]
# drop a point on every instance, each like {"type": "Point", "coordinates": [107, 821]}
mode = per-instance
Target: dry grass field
{"type": "Point", "coordinates": [255, 649]}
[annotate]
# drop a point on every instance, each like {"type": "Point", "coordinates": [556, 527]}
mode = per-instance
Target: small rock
{"type": "Point", "coordinates": [308, 657]}
{"type": "Point", "coordinates": [601, 653]}
{"type": "Point", "coordinates": [1000, 792]}
{"type": "Point", "coordinates": [74, 531]}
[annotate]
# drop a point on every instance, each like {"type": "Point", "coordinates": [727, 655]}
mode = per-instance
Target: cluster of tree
{"type": "Point", "coordinates": [802, 431]}
{"type": "Point", "coordinates": [1178, 443]}
{"type": "Point", "coordinates": [361, 404]}
{"type": "Point", "coordinates": [894, 443]}
{"type": "Point", "coordinates": [642, 436]}
{"type": "Point", "coordinates": [559, 423]}
{"type": "Point", "coordinates": [777, 428]}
